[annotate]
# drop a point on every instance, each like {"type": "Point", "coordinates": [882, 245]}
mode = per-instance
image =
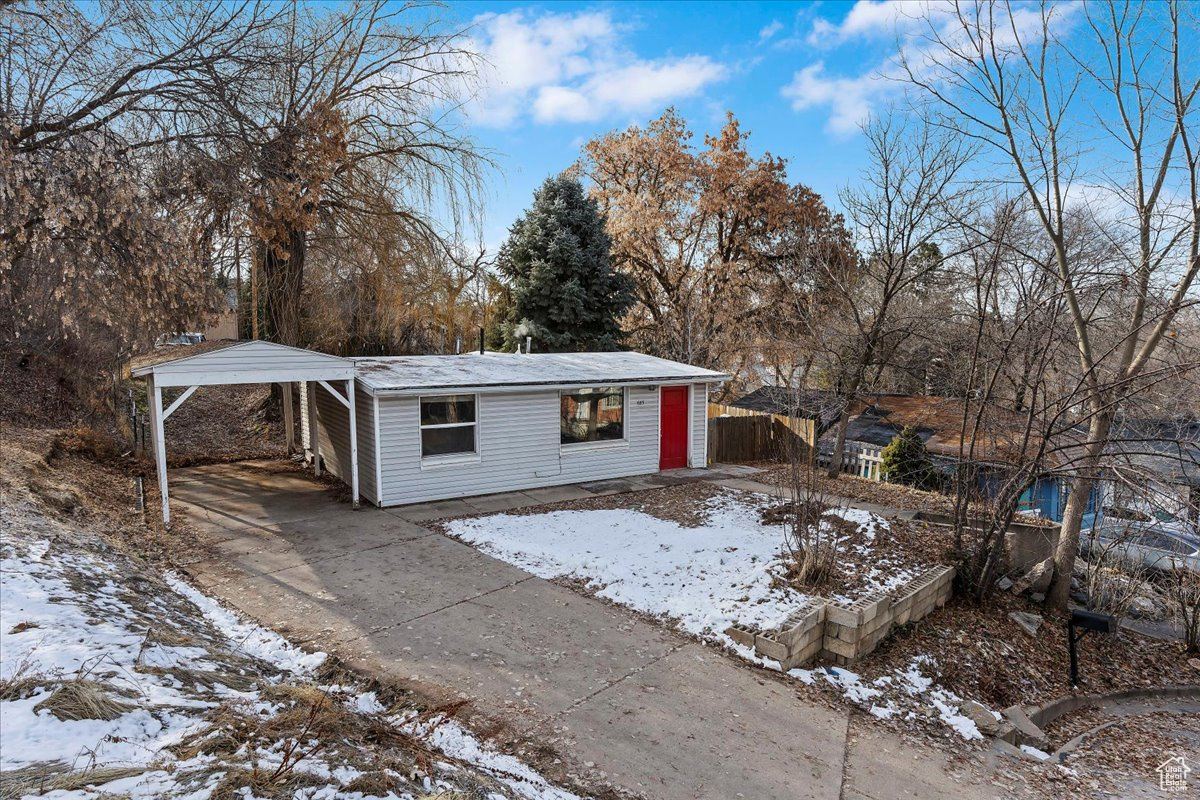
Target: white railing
{"type": "Point", "coordinates": [862, 460]}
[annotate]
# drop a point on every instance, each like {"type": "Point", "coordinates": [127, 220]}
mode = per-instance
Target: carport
{"type": "Point", "coordinates": [250, 362]}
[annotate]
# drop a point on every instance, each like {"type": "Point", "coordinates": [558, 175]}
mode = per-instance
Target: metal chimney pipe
{"type": "Point", "coordinates": [528, 345]}
{"type": "Point", "coordinates": [480, 340]}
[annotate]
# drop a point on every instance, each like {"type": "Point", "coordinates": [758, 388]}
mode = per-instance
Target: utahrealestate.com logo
{"type": "Point", "coordinates": [1173, 774]}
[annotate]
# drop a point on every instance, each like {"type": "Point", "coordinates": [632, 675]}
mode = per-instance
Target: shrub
{"type": "Point", "coordinates": [905, 460]}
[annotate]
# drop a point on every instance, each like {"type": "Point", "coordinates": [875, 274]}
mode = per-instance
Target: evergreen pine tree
{"type": "Point", "coordinates": [905, 460]}
{"type": "Point", "coordinates": [564, 290]}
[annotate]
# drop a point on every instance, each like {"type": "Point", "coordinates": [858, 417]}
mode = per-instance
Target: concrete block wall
{"type": "Point", "coordinates": [843, 633]}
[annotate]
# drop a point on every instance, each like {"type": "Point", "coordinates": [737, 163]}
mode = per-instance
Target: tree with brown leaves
{"type": "Point", "coordinates": [704, 234]}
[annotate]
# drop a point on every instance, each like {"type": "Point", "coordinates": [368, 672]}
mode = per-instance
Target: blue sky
{"type": "Point", "coordinates": [799, 77]}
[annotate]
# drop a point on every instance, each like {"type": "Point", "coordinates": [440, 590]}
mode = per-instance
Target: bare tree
{"type": "Point", "coordinates": [898, 212]}
{"type": "Point", "coordinates": [1007, 81]}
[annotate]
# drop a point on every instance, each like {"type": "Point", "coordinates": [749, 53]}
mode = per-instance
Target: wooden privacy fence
{"type": "Point", "coordinates": [739, 434]}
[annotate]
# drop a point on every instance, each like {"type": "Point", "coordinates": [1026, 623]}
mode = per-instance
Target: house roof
{"type": "Point", "coordinates": [495, 370]}
{"type": "Point", "coordinates": [816, 404]}
{"type": "Point", "coordinates": [877, 419]}
{"type": "Point", "coordinates": [240, 362]}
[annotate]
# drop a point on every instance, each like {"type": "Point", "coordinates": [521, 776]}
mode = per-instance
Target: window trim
{"type": "Point", "coordinates": [602, 444]}
{"type": "Point", "coordinates": [448, 459]}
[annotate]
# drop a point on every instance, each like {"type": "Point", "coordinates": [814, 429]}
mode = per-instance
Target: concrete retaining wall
{"type": "Point", "coordinates": [1024, 544]}
{"type": "Point", "coordinates": [843, 633]}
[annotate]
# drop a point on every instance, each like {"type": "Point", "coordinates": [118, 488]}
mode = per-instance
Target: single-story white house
{"type": "Point", "coordinates": [409, 429]}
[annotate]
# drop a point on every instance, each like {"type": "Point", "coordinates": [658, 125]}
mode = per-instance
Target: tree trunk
{"type": "Point", "coordinates": [839, 441]}
{"type": "Point", "coordinates": [1081, 489]}
{"type": "Point", "coordinates": [283, 283]}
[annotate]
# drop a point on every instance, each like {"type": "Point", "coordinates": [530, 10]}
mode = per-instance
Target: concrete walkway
{"type": "Point", "coordinates": [624, 702]}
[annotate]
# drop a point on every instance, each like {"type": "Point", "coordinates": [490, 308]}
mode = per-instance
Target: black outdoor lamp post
{"type": "Point", "coordinates": [1085, 621]}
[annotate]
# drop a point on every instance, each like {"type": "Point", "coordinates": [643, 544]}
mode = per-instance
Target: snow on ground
{"type": "Point", "coordinates": [170, 658]}
{"type": "Point", "coordinates": [705, 578]}
{"type": "Point", "coordinates": [726, 570]}
{"type": "Point", "coordinates": [907, 692]}
{"type": "Point", "coordinates": [878, 568]}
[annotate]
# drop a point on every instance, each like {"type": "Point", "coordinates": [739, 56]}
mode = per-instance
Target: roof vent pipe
{"type": "Point", "coordinates": [528, 345]}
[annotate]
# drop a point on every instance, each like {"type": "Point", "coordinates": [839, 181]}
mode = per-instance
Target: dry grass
{"type": "Point", "coordinates": [85, 442]}
{"type": "Point", "coordinates": [263, 785]}
{"type": "Point", "coordinates": [82, 698]}
{"type": "Point", "coordinates": [38, 779]}
{"type": "Point", "coordinates": [21, 686]}
{"type": "Point", "coordinates": [230, 727]}
{"type": "Point", "coordinates": [204, 678]}
{"type": "Point", "coordinates": [375, 784]}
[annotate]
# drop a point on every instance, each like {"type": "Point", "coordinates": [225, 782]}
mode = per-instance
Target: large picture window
{"type": "Point", "coordinates": [592, 415]}
{"type": "Point", "coordinates": [448, 425]}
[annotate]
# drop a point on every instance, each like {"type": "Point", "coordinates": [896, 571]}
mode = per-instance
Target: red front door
{"type": "Point", "coordinates": [672, 449]}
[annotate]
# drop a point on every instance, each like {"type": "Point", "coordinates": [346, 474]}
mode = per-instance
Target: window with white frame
{"type": "Point", "coordinates": [448, 425]}
{"type": "Point", "coordinates": [592, 415]}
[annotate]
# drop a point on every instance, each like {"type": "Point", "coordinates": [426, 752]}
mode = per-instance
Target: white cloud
{"type": "Point", "coordinates": [851, 98]}
{"type": "Point", "coordinates": [875, 18]}
{"type": "Point", "coordinates": [573, 67]}
{"type": "Point", "coordinates": [769, 30]}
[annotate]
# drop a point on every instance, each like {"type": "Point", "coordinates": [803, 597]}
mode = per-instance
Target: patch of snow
{"type": "Point", "coordinates": [808, 676]}
{"type": "Point", "coordinates": [706, 578]}
{"type": "Point", "coordinates": [66, 615]}
{"type": "Point", "coordinates": [947, 705]}
{"type": "Point", "coordinates": [250, 638]}
{"type": "Point", "coordinates": [367, 703]}
{"type": "Point", "coordinates": [851, 686]}
{"type": "Point", "coordinates": [456, 742]}
{"type": "Point", "coordinates": [912, 679]}
{"type": "Point", "coordinates": [886, 711]}
{"type": "Point", "coordinates": [1040, 755]}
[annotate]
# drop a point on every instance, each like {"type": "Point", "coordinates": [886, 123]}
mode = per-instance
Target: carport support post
{"type": "Point", "coordinates": [289, 424]}
{"type": "Point", "coordinates": [353, 442]}
{"type": "Point", "coordinates": [314, 440]}
{"type": "Point", "coordinates": [160, 445]}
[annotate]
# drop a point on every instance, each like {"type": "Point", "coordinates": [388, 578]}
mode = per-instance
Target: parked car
{"type": "Point", "coordinates": [179, 339]}
{"type": "Point", "coordinates": [1150, 546]}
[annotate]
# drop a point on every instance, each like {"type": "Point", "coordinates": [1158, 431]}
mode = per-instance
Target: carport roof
{"type": "Point", "coordinates": [498, 370]}
{"type": "Point", "coordinates": [244, 362]}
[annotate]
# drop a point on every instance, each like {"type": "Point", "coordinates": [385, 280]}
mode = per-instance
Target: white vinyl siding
{"type": "Point", "coordinates": [333, 424]}
{"type": "Point", "coordinates": [699, 425]}
{"type": "Point", "coordinates": [518, 438]}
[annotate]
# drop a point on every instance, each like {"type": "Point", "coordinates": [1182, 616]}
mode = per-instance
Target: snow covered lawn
{"type": "Point", "coordinates": [114, 683]}
{"type": "Point", "coordinates": [729, 568]}
{"type": "Point", "coordinates": [705, 578]}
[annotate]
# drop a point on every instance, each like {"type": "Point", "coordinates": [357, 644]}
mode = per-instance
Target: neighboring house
{"type": "Point", "coordinates": [225, 324]}
{"type": "Point", "coordinates": [408, 429]}
{"type": "Point", "coordinates": [878, 419]}
{"type": "Point", "coordinates": [1153, 470]}
{"type": "Point", "coordinates": [820, 406]}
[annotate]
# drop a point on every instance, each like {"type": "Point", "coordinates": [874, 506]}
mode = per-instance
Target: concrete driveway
{"type": "Point", "coordinates": [623, 701]}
